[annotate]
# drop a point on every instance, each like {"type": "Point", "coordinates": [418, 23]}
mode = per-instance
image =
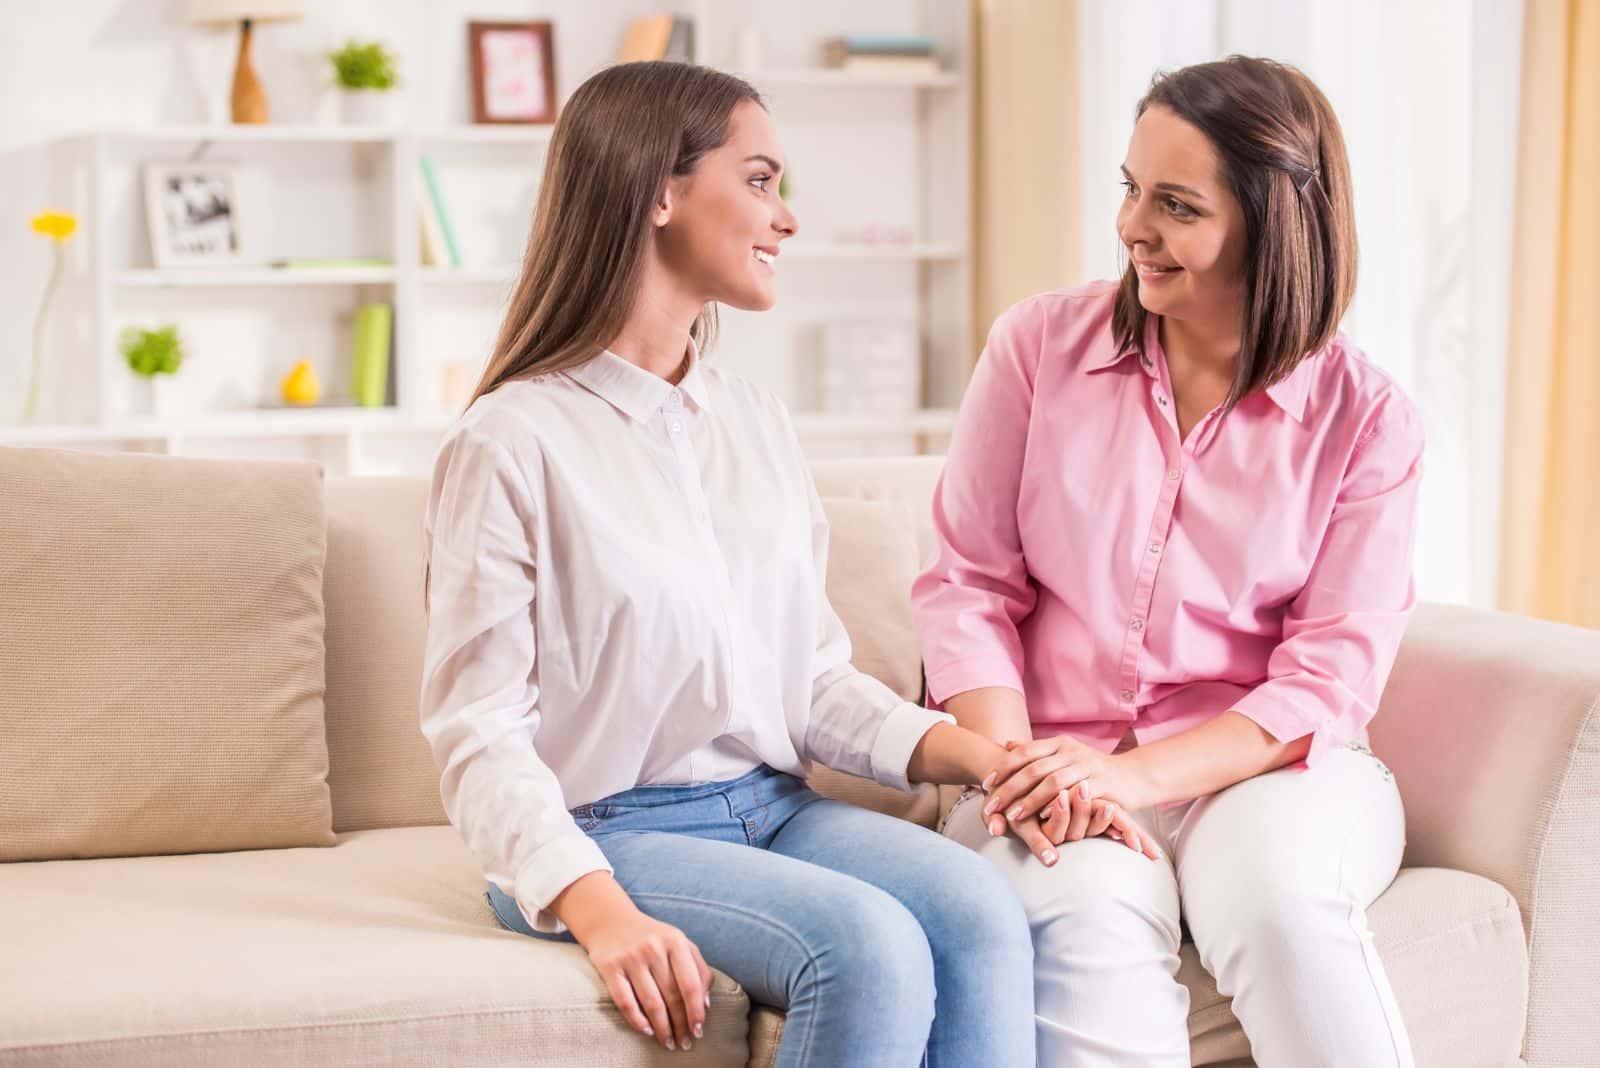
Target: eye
{"type": "Point", "coordinates": [1179, 209]}
{"type": "Point", "coordinates": [1128, 189]}
{"type": "Point", "coordinates": [760, 181]}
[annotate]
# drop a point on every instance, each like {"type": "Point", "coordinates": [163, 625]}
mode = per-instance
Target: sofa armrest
{"type": "Point", "coordinates": [1491, 724]}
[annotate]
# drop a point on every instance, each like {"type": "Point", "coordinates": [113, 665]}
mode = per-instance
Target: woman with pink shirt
{"type": "Point", "coordinates": [1173, 569]}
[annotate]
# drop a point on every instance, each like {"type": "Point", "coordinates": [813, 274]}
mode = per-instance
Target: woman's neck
{"type": "Point", "coordinates": [656, 333]}
{"type": "Point", "coordinates": [1210, 350]}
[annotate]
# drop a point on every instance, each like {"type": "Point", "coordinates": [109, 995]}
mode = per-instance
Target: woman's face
{"type": "Point", "coordinates": [1181, 225]}
{"type": "Point", "coordinates": [719, 228]}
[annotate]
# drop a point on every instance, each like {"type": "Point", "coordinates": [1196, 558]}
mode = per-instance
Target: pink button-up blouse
{"type": "Point", "coordinates": [1121, 578]}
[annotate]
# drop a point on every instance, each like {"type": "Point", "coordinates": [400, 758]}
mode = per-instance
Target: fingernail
{"type": "Point", "coordinates": [687, 1045]}
{"type": "Point", "coordinates": [988, 808]}
{"type": "Point", "coordinates": [1015, 813]}
{"type": "Point", "coordinates": [708, 999]}
{"type": "Point", "coordinates": [1049, 857]}
{"type": "Point", "coordinates": [988, 782]}
{"type": "Point", "coordinates": [651, 1031]}
{"type": "Point", "coordinates": [672, 1045]}
{"type": "Point", "coordinates": [699, 1031]}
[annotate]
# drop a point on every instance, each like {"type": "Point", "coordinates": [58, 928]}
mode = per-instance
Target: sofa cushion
{"type": "Point", "coordinates": [163, 650]}
{"type": "Point", "coordinates": [380, 769]}
{"type": "Point", "coordinates": [1452, 944]}
{"type": "Point", "coordinates": [380, 950]}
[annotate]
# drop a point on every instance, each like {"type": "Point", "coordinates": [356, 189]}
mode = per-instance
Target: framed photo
{"type": "Point", "coordinates": [192, 213]}
{"type": "Point", "coordinates": [513, 71]}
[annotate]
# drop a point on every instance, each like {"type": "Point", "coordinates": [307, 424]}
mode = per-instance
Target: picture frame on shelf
{"type": "Point", "coordinates": [193, 213]}
{"type": "Point", "coordinates": [513, 72]}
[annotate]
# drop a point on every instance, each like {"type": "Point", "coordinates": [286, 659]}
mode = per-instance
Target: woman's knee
{"type": "Point", "coordinates": [973, 907]}
{"type": "Point", "coordinates": [1101, 892]}
{"type": "Point", "coordinates": [867, 945]}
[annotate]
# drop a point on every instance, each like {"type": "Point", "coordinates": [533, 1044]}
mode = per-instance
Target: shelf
{"type": "Point", "coordinates": [331, 421]}
{"type": "Point", "coordinates": [825, 78]}
{"type": "Point", "coordinates": [845, 250]}
{"type": "Point", "coordinates": [809, 251]}
{"type": "Point", "coordinates": [486, 134]}
{"type": "Point", "coordinates": [161, 277]}
{"type": "Point", "coordinates": [266, 133]}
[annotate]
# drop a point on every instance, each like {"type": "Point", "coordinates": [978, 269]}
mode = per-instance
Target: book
{"type": "Point", "coordinates": [680, 47]}
{"type": "Point", "coordinates": [431, 178]}
{"type": "Point", "coordinates": [892, 66]}
{"type": "Point", "coordinates": [647, 38]}
{"type": "Point", "coordinates": [435, 253]}
{"type": "Point", "coordinates": [836, 50]}
{"type": "Point", "coordinates": [369, 355]}
{"type": "Point", "coordinates": [666, 37]}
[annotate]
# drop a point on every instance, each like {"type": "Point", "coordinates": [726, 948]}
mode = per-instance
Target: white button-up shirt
{"type": "Point", "coordinates": [626, 588]}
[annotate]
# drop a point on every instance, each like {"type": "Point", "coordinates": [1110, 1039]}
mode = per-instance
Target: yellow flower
{"type": "Point", "coordinates": [57, 224]}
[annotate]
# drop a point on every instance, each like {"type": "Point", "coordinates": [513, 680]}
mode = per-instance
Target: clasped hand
{"type": "Point", "coordinates": [1056, 790]}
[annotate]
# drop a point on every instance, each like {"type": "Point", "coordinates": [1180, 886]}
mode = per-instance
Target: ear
{"type": "Point", "coordinates": [665, 207]}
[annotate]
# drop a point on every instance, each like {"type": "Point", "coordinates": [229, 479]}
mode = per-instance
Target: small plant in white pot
{"type": "Point", "coordinates": [152, 353]}
{"type": "Point", "coordinates": [366, 74]}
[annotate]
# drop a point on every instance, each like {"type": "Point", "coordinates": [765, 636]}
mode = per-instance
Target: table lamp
{"type": "Point", "coordinates": [249, 100]}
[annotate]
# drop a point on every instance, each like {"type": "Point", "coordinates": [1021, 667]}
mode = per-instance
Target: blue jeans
{"type": "Point", "coordinates": [849, 920]}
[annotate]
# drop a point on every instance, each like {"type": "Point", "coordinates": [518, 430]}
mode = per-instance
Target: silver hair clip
{"type": "Point", "coordinates": [1314, 172]}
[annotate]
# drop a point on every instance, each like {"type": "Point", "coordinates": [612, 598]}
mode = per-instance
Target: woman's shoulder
{"type": "Point", "coordinates": [1348, 386]}
{"type": "Point", "coordinates": [1059, 326]}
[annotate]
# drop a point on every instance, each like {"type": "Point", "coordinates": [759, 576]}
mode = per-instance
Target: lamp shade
{"type": "Point", "coordinates": [239, 10]}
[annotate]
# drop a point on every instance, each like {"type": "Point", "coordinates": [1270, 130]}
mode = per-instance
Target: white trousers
{"type": "Point", "coordinates": [1273, 875]}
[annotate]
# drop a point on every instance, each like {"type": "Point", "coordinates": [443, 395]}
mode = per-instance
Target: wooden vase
{"type": "Point", "coordinates": [249, 99]}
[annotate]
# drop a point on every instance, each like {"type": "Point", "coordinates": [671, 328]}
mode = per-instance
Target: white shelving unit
{"type": "Point", "coordinates": [862, 151]}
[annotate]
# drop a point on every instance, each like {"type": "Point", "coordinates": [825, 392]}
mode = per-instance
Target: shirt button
{"type": "Point", "coordinates": [1136, 623]}
{"type": "Point", "coordinates": [1155, 546]}
{"type": "Point", "coordinates": [1161, 399]}
{"type": "Point", "coordinates": [1174, 475]}
{"type": "Point", "coordinates": [1127, 696]}
{"type": "Point", "coordinates": [676, 427]}
{"type": "Point", "coordinates": [674, 401]}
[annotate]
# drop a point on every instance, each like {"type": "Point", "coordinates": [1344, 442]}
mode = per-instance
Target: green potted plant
{"type": "Point", "coordinates": [366, 74]}
{"type": "Point", "coordinates": [152, 354]}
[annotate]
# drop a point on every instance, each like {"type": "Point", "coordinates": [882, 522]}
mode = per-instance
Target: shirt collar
{"type": "Point", "coordinates": [1288, 393]}
{"type": "Point", "coordinates": [634, 391]}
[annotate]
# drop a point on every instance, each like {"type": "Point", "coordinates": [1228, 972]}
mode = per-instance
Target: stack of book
{"type": "Point", "coordinates": [669, 37]}
{"type": "Point", "coordinates": [896, 55]}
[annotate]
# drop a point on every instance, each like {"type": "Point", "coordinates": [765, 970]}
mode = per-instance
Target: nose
{"type": "Point", "coordinates": [1134, 224]}
{"type": "Point", "coordinates": [784, 222]}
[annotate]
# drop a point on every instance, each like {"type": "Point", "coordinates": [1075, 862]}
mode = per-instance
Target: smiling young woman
{"type": "Point", "coordinates": [1173, 569]}
{"type": "Point", "coordinates": [630, 662]}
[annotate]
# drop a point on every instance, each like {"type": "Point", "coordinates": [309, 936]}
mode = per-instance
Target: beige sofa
{"type": "Point", "coordinates": [381, 948]}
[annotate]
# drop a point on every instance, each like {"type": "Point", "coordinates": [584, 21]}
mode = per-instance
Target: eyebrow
{"type": "Point", "coordinates": [768, 160]}
{"type": "Point", "coordinates": [1169, 187]}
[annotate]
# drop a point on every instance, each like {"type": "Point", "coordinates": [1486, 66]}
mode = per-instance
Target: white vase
{"type": "Point", "coordinates": [366, 107]}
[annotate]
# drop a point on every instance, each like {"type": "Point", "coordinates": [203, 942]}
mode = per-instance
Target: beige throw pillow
{"type": "Point", "coordinates": [161, 655]}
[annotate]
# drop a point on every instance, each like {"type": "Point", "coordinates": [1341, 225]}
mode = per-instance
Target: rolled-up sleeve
{"type": "Point", "coordinates": [1342, 632]}
{"type": "Point", "coordinates": [480, 695]}
{"type": "Point", "coordinates": [857, 724]}
{"type": "Point", "coordinates": [974, 592]}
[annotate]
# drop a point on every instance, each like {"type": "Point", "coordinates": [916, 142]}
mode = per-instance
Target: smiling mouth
{"type": "Point", "coordinates": [764, 256]}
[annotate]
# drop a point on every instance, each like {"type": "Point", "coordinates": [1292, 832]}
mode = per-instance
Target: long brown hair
{"type": "Point", "coordinates": [622, 134]}
{"type": "Point", "coordinates": [1283, 158]}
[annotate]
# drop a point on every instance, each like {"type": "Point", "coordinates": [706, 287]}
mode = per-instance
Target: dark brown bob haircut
{"type": "Point", "coordinates": [1283, 158]}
